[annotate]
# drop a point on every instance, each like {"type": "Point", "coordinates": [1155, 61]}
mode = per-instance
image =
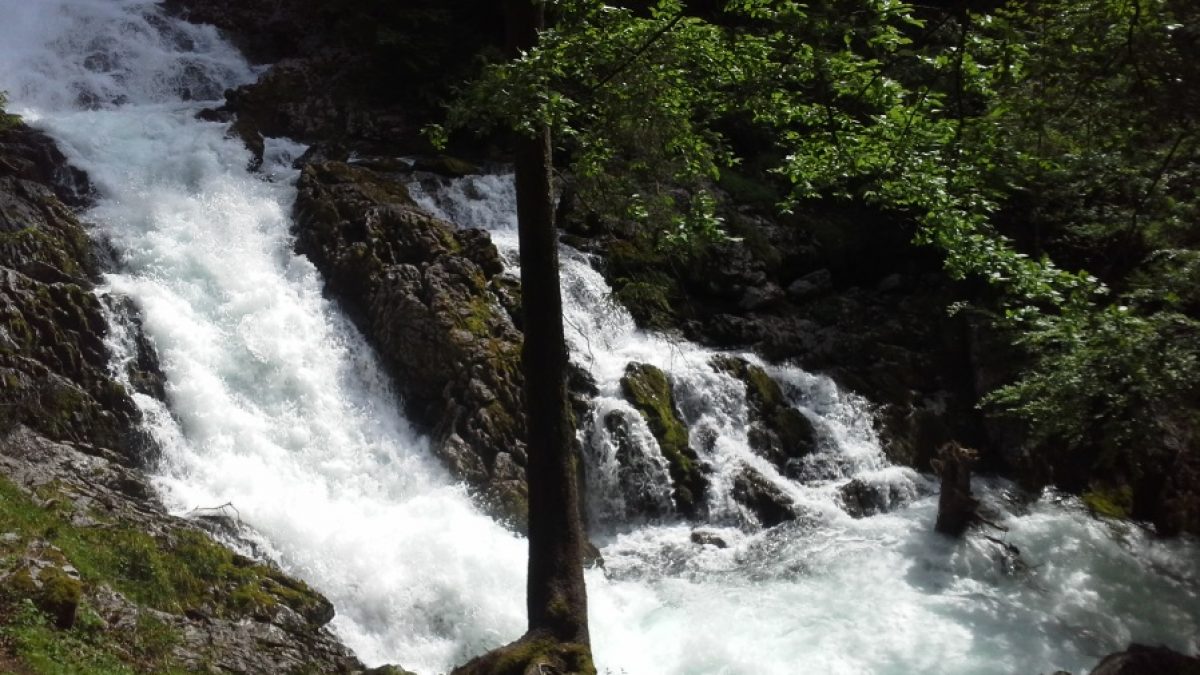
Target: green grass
{"type": "Point", "coordinates": [180, 571]}
{"type": "Point", "coordinates": [7, 121]}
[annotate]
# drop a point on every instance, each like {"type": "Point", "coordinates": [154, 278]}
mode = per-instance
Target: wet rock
{"type": "Point", "coordinates": [862, 499]}
{"type": "Point", "coordinates": [424, 294]}
{"type": "Point", "coordinates": [242, 615]}
{"type": "Point", "coordinates": [778, 431]}
{"type": "Point", "coordinates": [637, 473]}
{"type": "Point", "coordinates": [30, 155]}
{"type": "Point", "coordinates": [252, 138]}
{"type": "Point", "coordinates": [1146, 660]}
{"type": "Point", "coordinates": [54, 363]}
{"type": "Point", "coordinates": [143, 368]}
{"type": "Point", "coordinates": [811, 285]}
{"type": "Point", "coordinates": [769, 504]}
{"type": "Point", "coordinates": [708, 538]}
{"type": "Point", "coordinates": [649, 390]}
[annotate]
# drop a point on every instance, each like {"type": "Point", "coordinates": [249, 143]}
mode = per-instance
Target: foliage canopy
{"type": "Point", "coordinates": [1050, 149]}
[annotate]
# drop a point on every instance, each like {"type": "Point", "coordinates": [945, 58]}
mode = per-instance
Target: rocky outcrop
{"type": "Point", "coordinates": [54, 364]}
{"type": "Point", "coordinates": [858, 303]}
{"type": "Point", "coordinates": [89, 544]}
{"type": "Point", "coordinates": [430, 298]}
{"type": "Point", "coordinates": [366, 75]}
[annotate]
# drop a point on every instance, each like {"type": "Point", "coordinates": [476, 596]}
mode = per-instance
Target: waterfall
{"type": "Point", "coordinates": [277, 405]}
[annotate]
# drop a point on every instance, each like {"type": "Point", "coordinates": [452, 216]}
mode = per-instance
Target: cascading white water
{"type": "Point", "coordinates": [830, 593]}
{"type": "Point", "coordinates": [278, 407]}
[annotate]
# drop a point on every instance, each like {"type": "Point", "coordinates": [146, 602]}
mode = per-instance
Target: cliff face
{"type": "Point", "coordinates": [95, 573]}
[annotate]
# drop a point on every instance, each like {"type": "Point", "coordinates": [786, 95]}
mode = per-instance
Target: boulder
{"type": "Point", "coordinates": [811, 285]}
{"type": "Point", "coordinates": [649, 390]}
{"type": "Point", "coordinates": [862, 499]}
{"type": "Point", "coordinates": [1146, 660]}
{"type": "Point", "coordinates": [777, 431]}
{"type": "Point", "coordinates": [770, 505]}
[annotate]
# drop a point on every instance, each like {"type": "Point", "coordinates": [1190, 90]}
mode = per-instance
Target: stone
{"type": "Point", "coordinates": [649, 390]}
{"type": "Point", "coordinates": [1147, 660]}
{"type": "Point", "coordinates": [708, 538]}
{"type": "Point", "coordinates": [768, 503]}
{"type": "Point", "coordinates": [811, 285]}
{"type": "Point", "coordinates": [761, 297]}
{"type": "Point", "coordinates": [862, 499]}
{"type": "Point", "coordinates": [776, 430]}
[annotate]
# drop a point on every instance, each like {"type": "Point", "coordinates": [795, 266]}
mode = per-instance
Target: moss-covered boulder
{"type": "Point", "coordinates": [776, 430]}
{"type": "Point", "coordinates": [649, 390]}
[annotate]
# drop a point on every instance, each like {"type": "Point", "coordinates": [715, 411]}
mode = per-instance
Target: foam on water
{"type": "Point", "coordinates": [830, 593]}
{"type": "Point", "coordinates": [278, 406]}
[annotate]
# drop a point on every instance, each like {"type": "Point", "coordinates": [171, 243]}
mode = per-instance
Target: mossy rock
{"type": "Point", "coordinates": [649, 390]}
{"type": "Point", "coordinates": [636, 270]}
{"type": "Point", "coordinates": [59, 596]}
{"type": "Point", "coordinates": [1108, 500]}
{"type": "Point", "coordinates": [777, 431]}
{"type": "Point", "coordinates": [532, 655]}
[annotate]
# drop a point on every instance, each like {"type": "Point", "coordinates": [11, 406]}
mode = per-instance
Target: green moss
{"type": "Point", "coordinates": [43, 649]}
{"type": "Point", "coordinates": [779, 431]}
{"type": "Point", "coordinates": [648, 389]}
{"type": "Point", "coordinates": [155, 639]}
{"type": "Point", "coordinates": [570, 658]}
{"type": "Point", "coordinates": [7, 120]}
{"type": "Point", "coordinates": [174, 573]}
{"type": "Point", "coordinates": [59, 595]}
{"type": "Point", "coordinates": [1114, 502]}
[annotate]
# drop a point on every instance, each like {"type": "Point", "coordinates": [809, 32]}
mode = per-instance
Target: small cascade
{"type": "Point", "coordinates": [625, 464]}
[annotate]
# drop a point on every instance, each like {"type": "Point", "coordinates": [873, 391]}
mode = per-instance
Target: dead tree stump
{"type": "Point", "coordinates": [956, 506]}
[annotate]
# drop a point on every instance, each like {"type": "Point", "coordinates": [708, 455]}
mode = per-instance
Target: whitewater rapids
{"type": "Point", "coordinates": [278, 406]}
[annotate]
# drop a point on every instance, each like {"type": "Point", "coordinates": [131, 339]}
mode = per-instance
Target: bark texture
{"type": "Point", "coordinates": [557, 599]}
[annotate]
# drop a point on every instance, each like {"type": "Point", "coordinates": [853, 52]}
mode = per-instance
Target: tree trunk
{"type": "Point", "coordinates": [557, 639]}
{"type": "Point", "coordinates": [556, 596]}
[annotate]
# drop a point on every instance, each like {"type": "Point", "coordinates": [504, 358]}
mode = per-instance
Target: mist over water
{"type": "Point", "coordinates": [278, 406]}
